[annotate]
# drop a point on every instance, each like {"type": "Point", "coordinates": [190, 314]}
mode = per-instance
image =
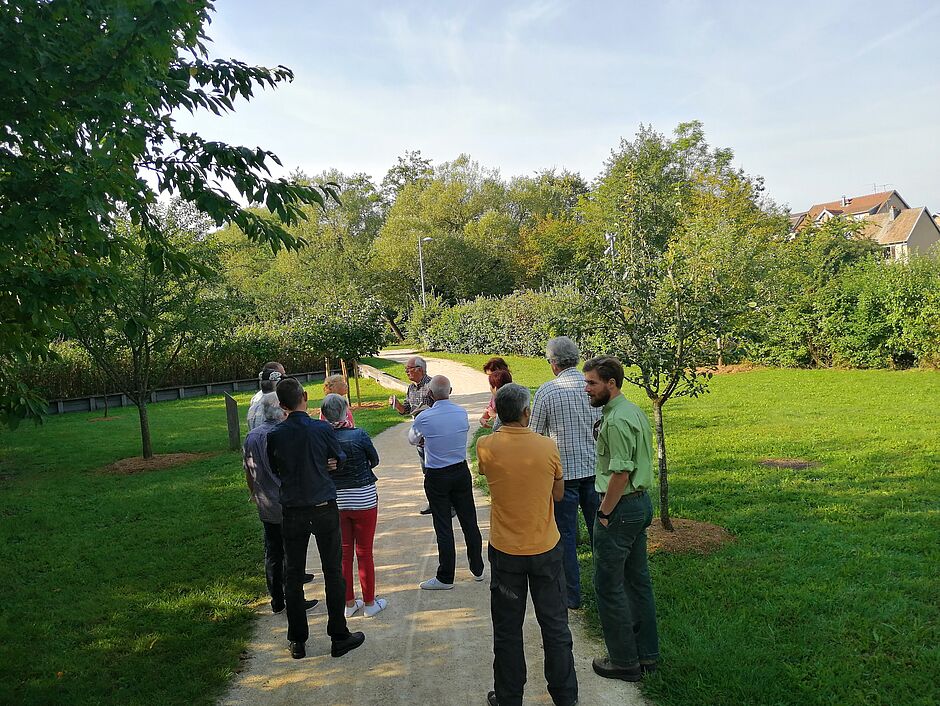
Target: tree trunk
{"type": "Point", "coordinates": [356, 374]}
{"type": "Point", "coordinates": [145, 443]}
{"type": "Point", "coordinates": [391, 322]}
{"type": "Point", "coordinates": [663, 476]}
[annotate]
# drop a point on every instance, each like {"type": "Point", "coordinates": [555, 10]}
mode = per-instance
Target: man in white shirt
{"type": "Point", "coordinates": [447, 482]}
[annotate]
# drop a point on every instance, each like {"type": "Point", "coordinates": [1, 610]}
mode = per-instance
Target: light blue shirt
{"type": "Point", "coordinates": [444, 428]}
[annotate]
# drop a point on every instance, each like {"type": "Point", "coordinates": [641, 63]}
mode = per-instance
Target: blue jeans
{"type": "Point", "coordinates": [578, 493]}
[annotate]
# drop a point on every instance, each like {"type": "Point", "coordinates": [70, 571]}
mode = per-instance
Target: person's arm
{"type": "Point", "coordinates": [538, 421]}
{"type": "Point", "coordinates": [247, 460]}
{"type": "Point", "coordinates": [272, 458]}
{"type": "Point", "coordinates": [621, 444]}
{"type": "Point", "coordinates": [558, 487]}
{"type": "Point", "coordinates": [334, 450]}
{"type": "Point", "coordinates": [370, 450]}
{"type": "Point", "coordinates": [415, 437]}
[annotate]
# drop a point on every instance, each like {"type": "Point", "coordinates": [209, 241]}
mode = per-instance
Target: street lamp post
{"type": "Point", "coordinates": [424, 299]}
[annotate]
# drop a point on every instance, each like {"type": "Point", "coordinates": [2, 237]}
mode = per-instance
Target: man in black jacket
{"type": "Point", "coordinates": [301, 451]}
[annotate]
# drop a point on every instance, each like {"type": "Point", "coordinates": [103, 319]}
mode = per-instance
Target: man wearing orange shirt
{"type": "Point", "coordinates": [524, 473]}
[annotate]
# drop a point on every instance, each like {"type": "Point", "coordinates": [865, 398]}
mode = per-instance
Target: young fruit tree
{"type": "Point", "coordinates": [687, 238]}
{"type": "Point", "coordinates": [139, 321]}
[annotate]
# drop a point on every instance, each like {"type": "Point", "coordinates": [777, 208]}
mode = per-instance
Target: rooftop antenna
{"type": "Point", "coordinates": [884, 187]}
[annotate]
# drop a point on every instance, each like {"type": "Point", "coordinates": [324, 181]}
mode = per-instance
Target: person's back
{"type": "Point", "coordinates": [526, 554]}
{"type": "Point", "coordinates": [299, 448]}
{"type": "Point", "coordinates": [521, 468]}
{"type": "Point", "coordinates": [444, 427]}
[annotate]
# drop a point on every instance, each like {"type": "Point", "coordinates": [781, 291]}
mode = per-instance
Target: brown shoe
{"type": "Point", "coordinates": [605, 668]}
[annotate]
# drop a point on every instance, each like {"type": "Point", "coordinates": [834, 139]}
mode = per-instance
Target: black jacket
{"type": "Point", "coordinates": [298, 449]}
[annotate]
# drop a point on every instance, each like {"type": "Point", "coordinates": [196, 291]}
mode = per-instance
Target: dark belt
{"type": "Point", "coordinates": [627, 495]}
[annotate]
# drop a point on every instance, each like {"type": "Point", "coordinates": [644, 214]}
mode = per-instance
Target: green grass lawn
{"type": "Point", "coordinates": [389, 367]}
{"type": "Point", "coordinates": [129, 589]}
{"type": "Point", "coordinates": [830, 593]}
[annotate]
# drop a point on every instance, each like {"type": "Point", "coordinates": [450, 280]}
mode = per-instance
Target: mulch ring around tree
{"type": "Point", "coordinates": [794, 463]}
{"type": "Point", "coordinates": [689, 537]}
{"type": "Point", "coordinates": [137, 464]}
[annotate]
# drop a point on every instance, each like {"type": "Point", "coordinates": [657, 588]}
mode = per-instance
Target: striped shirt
{"type": "Point", "coordinates": [561, 411]}
{"type": "Point", "coordinates": [364, 498]}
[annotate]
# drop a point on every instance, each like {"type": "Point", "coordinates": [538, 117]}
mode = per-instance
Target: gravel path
{"type": "Point", "coordinates": [428, 647]}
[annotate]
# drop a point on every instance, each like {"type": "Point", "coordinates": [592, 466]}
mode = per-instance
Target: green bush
{"type": "Point", "coordinates": [519, 324]}
{"type": "Point", "coordinates": [344, 330]}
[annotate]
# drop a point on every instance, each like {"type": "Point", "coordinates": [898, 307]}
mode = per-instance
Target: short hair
{"type": "Point", "coordinates": [271, 410]}
{"type": "Point", "coordinates": [498, 378]}
{"type": "Point", "coordinates": [606, 368]}
{"type": "Point", "coordinates": [563, 352]}
{"type": "Point", "coordinates": [511, 401]}
{"type": "Point", "coordinates": [290, 393]}
{"type": "Point", "coordinates": [330, 382]}
{"type": "Point", "coordinates": [419, 362]}
{"type": "Point", "coordinates": [495, 363]}
{"type": "Point", "coordinates": [269, 381]}
{"type": "Point", "coordinates": [440, 387]}
{"type": "Point", "coordinates": [334, 407]}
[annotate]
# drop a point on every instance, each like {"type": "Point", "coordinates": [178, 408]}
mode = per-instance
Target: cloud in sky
{"type": "Point", "coordinates": [821, 99]}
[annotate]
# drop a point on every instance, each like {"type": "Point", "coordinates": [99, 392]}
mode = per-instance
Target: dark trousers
{"type": "Point", "coordinates": [625, 602]}
{"type": "Point", "coordinates": [274, 563]}
{"type": "Point", "coordinates": [451, 487]}
{"type": "Point", "coordinates": [512, 577]}
{"type": "Point", "coordinates": [323, 523]}
{"type": "Point", "coordinates": [578, 493]}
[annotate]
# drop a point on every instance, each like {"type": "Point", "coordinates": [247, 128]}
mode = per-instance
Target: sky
{"type": "Point", "coordinates": [822, 99]}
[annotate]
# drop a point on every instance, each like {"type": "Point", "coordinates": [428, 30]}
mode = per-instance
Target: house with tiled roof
{"type": "Point", "coordinates": [889, 221]}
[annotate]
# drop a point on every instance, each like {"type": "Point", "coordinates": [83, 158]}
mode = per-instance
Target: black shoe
{"type": "Point", "coordinates": [453, 512]}
{"type": "Point", "coordinates": [491, 699]}
{"type": "Point", "coordinates": [648, 667]}
{"type": "Point", "coordinates": [297, 650]}
{"type": "Point", "coordinates": [341, 647]}
{"type": "Point", "coordinates": [605, 668]}
{"type": "Point", "coordinates": [308, 578]}
{"type": "Point", "coordinates": [277, 607]}
{"type": "Point", "coordinates": [311, 604]}
{"type": "Point", "coordinates": [426, 511]}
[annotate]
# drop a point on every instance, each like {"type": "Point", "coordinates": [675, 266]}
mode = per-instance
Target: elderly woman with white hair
{"type": "Point", "coordinates": [358, 502]}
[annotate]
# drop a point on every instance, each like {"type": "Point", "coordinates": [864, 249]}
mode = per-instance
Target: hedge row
{"type": "Point", "coordinates": [519, 323]}
{"type": "Point", "coordinates": [873, 315]}
{"type": "Point", "coordinates": [301, 344]}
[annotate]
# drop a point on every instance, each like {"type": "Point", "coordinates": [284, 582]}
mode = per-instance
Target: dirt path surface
{"type": "Point", "coordinates": [428, 647]}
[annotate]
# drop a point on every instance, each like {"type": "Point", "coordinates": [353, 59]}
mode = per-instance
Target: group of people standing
{"type": "Point", "coordinates": [578, 445]}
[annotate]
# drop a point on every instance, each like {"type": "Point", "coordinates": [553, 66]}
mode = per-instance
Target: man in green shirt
{"type": "Point", "coordinates": [625, 601]}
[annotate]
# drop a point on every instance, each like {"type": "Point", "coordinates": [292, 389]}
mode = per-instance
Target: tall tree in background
{"type": "Point", "coordinates": [139, 320]}
{"type": "Point", "coordinates": [88, 94]}
{"type": "Point", "coordinates": [463, 209]}
{"type": "Point", "coordinates": [687, 236]}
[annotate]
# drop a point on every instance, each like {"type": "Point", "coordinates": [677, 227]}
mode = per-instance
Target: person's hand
{"type": "Point", "coordinates": [331, 465]}
{"type": "Point", "coordinates": [602, 521]}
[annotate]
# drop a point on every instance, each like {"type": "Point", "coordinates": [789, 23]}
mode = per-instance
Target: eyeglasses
{"type": "Point", "coordinates": [408, 370]}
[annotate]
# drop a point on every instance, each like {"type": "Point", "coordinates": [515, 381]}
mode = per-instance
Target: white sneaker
{"type": "Point", "coordinates": [433, 584]}
{"type": "Point", "coordinates": [376, 607]}
{"type": "Point", "coordinates": [480, 577]}
{"type": "Point", "coordinates": [351, 610]}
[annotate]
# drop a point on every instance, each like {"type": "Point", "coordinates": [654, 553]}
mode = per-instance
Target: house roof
{"type": "Point", "coordinates": [885, 231]}
{"type": "Point", "coordinates": [856, 204]}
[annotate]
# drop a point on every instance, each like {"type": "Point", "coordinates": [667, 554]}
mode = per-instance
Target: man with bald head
{"type": "Point", "coordinates": [443, 429]}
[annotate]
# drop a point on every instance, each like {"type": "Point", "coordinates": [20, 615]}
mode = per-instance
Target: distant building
{"type": "Point", "coordinates": [889, 221]}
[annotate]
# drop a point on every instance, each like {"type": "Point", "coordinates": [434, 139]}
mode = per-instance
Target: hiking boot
{"type": "Point", "coordinates": [605, 668]}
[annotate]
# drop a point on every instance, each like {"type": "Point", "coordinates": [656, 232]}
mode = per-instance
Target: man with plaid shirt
{"type": "Point", "coordinates": [561, 410]}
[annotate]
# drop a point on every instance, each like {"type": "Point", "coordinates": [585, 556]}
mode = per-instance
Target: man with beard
{"type": "Point", "coordinates": [622, 582]}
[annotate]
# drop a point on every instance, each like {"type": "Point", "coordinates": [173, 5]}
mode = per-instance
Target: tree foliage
{"type": "Point", "coordinates": [89, 92]}
{"type": "Point", "coordinates": [139, 321]}
{"type": "Point", "coordinates": [686, 233]}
